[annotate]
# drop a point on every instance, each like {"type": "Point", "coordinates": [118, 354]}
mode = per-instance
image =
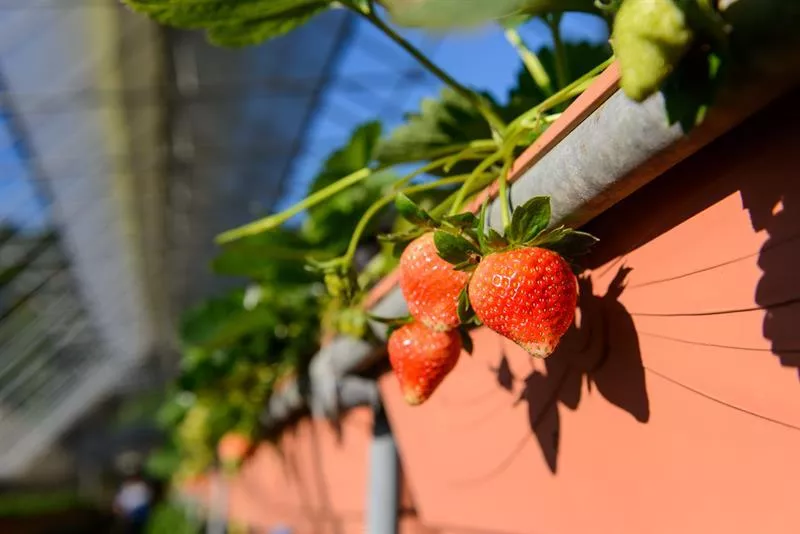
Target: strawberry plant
{"type": "Point", "coordinates": [519, 283]}
{"type": "Point", "coordinates": [239, 345]}
{"type": "Point", "coordinates": [455, 271]}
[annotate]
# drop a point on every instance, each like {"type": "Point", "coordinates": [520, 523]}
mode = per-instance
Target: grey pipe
{"type": "Point", "coordinates": [217, 505]}
{"type": "Point", "coordinates": [588, 172]}
{"type": "Point", "coordinates": [383, 494]}
{"type": "Point", "coordinates": [331, 388]}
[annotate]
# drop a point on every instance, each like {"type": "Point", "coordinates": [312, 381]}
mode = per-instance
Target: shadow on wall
{"type": "Point", "coordinates": [774, 206]}
{"type": "Point", "coordinates": [602, 346]}
{"type": "Point", "coordinates": [758, 161]}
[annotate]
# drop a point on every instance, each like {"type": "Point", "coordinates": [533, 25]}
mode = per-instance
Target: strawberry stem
{"type": "Point", "coordinates": [505, 208]}
{"type": "Point", "coordinates": [453, 153]}
{"type": "Point", "coordinates": [445, 163]}
{"type": "Point", "coordinates": [273, 221]}
{"type": "Point", "coordinates": [530, 60]}
{"type": "Point", "coordinates": [553, 20]}
{"type": "Point", "coordinates": [482, 166]}
{"type": "Point", "coordinates": [571, 90]}
{"type": "Point", "coordinates": [478, 185]}
{"type": "Point", "coordinates": [347, 259]}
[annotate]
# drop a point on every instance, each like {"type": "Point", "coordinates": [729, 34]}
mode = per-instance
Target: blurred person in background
{"type": "Point", "coordinates": [132, 504]}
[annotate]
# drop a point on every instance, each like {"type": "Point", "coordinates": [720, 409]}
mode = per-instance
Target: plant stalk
{"type": "Point", "coordinates": [273, 221]}
{"type": "Point", "coordinates": [531, 61]}
{"type": "Point", "coordinates": [495, 122]}
{"type": "Point", "coordinates": [465, 154]}
{"type": "Point", "coordinates": [562, 65]}
{"type": "Point", "coordinates": [482, 166]}
{"type": "Point", "coordinates": [478, 185]}
{"type": "Point", "coordinates": [561, 96]}
{"type": "Point", "coordinates": [347, 259]}
{"type": "Point", "coordinates": [505, 208]}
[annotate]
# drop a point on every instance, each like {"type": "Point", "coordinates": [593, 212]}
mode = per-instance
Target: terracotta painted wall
{"type": "Point", "coordinates": [314, 481]}
{"type": "Point", "coordinates": [674, 406]}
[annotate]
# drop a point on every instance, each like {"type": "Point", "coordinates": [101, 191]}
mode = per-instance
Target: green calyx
{"type": "Point", "coordinates": [529, 226]}
{"type": "Point", "coordinates": [463, 239]}
{"type": "Point", "coordinates": [454, 235]}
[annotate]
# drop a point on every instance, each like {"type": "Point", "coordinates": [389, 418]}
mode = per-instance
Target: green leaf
{"type": "Point", "coordinates": [411, 212]}
{"type": "Point", "coordinates": [452, 248]}
{"type": "Point", "coordinates": [355, 155]}
{"type": "Point", "coordinates": [221, 321]}
{"type": "Point", "coordinates": [515, 20]}
{"type": "Point", "coordinates": [401, 237]}
{"type": "Point", "coordinates": [391, 321]}
{"type": "Point", "coordinates": [466, 266]}
{"type": "Point", "coordinates": [529, 220]}
{"type": "Point", "coordinates": [331, 223]}
{"type": "Point", "coordinates": [567, 242]}
{"type": "Point", "coordinates": [252, 32]}
{"type": "Point", "coordinates": [445, 14]}
{"type": "Point", "coordinates": [649, 38]}
{"type": "Point", "coordinates": [495, 241]}
{"type": "Point", "coordinates": [278, 254]}
{"type": "Point", "coordinates": [441, 123]}
{"type": "Point", "coordinates": [480, 227]}
{"type": "Point", "coordinates": [462, 220]}
{"type": "Point", "coordinates": [690, 89]}
{"type": "Point", "coordinates": [464, 309]}
{"type": "Point", "coordinates": [233, 22]}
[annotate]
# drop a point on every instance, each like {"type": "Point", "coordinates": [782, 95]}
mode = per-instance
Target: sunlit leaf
{"type": "Point", "coordinates": [443, 14]}
{"type": "Point", "coordinates": [447, 121]}
{"type": "Point", "coordinates": [233, 22]}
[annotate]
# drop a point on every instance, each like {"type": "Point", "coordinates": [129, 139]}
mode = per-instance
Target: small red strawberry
{"type": "Point", "coordinates": [422, 358]}
{"type": "Point", "coordinates": [526, 294]}
{"type": "Point", "coordinates": [430, 285]}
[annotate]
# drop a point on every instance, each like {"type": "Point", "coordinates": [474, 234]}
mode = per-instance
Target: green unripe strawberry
{"type": "Point", "coordinates": [649, 39]}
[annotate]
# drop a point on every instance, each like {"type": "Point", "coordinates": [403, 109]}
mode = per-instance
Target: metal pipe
{"type": "Point", "coordinates": [384, 484]}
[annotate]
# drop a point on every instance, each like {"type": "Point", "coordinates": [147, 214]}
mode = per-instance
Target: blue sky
{"type": "Point", "coordinates": [480, 58]}
{"type": "Point", "coordinates": [19, 203]}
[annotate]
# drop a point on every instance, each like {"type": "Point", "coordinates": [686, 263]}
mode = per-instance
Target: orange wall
{"type": "Point", "coordinates": [314, 480]}
{"type": "Point", "coordinates": [675, 404]}
{"type": "Point", "coordinates": [672, 407]}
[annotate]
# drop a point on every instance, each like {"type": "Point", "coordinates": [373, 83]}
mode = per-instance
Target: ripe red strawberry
{"type": "Point", "coordinates": [430, 285]}
{"type": "Point", "coordinates": [421, 358]}
{"type": "Point", "coordinates": [526, 294]}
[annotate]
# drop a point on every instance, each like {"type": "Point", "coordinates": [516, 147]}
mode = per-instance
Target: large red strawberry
{"type": "Point", "coordinates": [522, 287]}
{"type": "Point", "coordinates": [422, 358]}
{"type": "Point", "coordinates": [526, 294]}
{"type": "Point", "coordinates": [430, 285]}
